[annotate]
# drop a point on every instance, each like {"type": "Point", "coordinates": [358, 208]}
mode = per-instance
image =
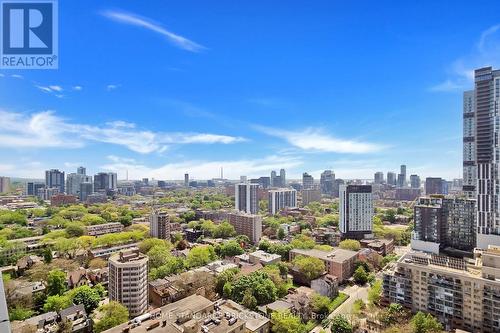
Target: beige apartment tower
{"type": "Point", "coordinates": [128, 281]}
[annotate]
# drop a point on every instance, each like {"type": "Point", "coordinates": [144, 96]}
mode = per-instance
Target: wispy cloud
{"type": "Point", "coordinates": [17, 76]}
{"type": "Point", "coordinates": [46, 129]}
{"type": "Point", "coordinates": [316, 140]}
{"type": "Point", "coordinates": [146, 23]}
{"type": "Point", "coordinates": [201, 169]}
{"type": "Point", "coordinates": [77, 88]}
{"type": "Point", "coordinates": [111, 87]}
{"type": "Point", "coordinates": [461, 71]}
{"type": "Point", "coordinates": [2, 75]}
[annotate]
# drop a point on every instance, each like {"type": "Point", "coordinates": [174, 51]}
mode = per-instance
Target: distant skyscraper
{"type": "Point", "coordinates": [33, 187]}
{"type": "Point", "coordinates": [186, 180]}
{"type": "Point", "coordinates": [310, 195]}
{"type": "Point", "coordinates": [245, 198]}
{"type": "Point", "coordinates": [356, 211]}
{"type": "Point", "coordinates": [81, 171]}
{"type": "Point", "coordinates": [469, 149]}
{"type": "Point", "coordinates": [73, 181]}
{"type": "Point", "coordinates": [283, 177]}
{"type": "Point", "coordinates": [273, 179]}
{"type": "Point", "coordinates": [435, 185]}
{"type": "Point", "coordinates": [4, 184]}
{"type": "Point", "coordinates": [243, 179]}
{"type": "Point", "coordinates": [104, 181]}
{"type": "Point", "coordinates": [391, 178]}
{"type": "Point", "coordinates": [415, 181]}
{"type": "Point", "coordinates": [379, 177]}
{"type": "Point", "coordinates": [327, 182]}
{"type": "Point", "coordinates": [280, 199]}
{"type": "Point", "coordinates": [54, 179]}
{"type": "Point", "coordinates": [307, 181]}
{"type": "Point", "coordinates": [86, 189]}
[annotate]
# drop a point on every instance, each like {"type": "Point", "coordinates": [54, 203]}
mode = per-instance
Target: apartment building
{"type": "Point", "coordinates": [247, 224]}
{"type": "Point", "coordinates": [442, 223]}
{"type": "Point", "coordinates": [281, 199]}
{"type": "Point", "coordinates": [310, 195]}
{"type": "Point", "coordinates": [462, 294]}
{"type": "Point", "coordinates": [159, 225]}
{"type": "Point", "coordinates": [356, 211]}
{"type": "Point", "coordinates": [246, 198]}
{"type": "Point", "coordinates": [128, 281]}
{"type": "Point", "coordinates": [103, 229]}
{"type": "Point", "coordinates": [339, 262]}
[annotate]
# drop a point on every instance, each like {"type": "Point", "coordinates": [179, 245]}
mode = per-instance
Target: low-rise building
{"type": "Point", "coordinates": [326, 285]}
{"type": "Point", "coordinates": [263, 258]}
{"type": "Point", "coordinates": [61, 199]}
{"type": "Point", "coordinates": [197, 314]}
{"type": "Point", "coordinates": [339, 262]}
{"type": "Point", "coordinates": [103, 229]}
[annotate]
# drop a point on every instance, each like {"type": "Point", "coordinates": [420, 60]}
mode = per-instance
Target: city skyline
{"type": "Point", "coordinates": [187, 102]}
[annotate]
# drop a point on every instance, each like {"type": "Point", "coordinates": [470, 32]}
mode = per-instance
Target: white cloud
{"type": "Point", "coordinates": [110, 87]}
{"type": "Point", "coordinates": [315, 140]}
{"type": "Point", "coordinates": [77, 88]}
{"type": "Point", "coordinates": [46, 129]}
{"type": "Point", "coordinates": [201, 169]}
{"type": "Point", "coordinates": [56, 88]}
{"type": "Point", "coordinates": [447, 85]}
{"type": "Point", "coordinates": [143, 22]}
{"type": "Point", "coordinates": [17, 76]}
{"type": "Point", "coordinates": [461, 71]}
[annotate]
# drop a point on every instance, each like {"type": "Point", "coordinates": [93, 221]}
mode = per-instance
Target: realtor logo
{"type": "Point", "coordinates": [28, 34]}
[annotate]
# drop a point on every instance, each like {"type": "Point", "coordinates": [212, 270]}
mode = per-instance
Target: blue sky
{"type": "Point", "coordinates": [159, 88]}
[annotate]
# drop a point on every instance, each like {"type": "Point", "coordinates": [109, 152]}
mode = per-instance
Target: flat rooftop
{"type": "Point", "coordinates": [337, 255]}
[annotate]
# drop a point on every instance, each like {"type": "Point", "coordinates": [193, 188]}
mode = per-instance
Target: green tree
{"type": "Point", "coordinates": [340, 324]}
{"type": "Point", "coordinates": [320, 305]}
{"type": "Point", "coordinates": [350, 244]}
{"type": "Point", "coordinates": [200, 255]}
{"type": "Point", "coordinates": [249, 301]}
{"type": "Point", "coordinates": [56, 282]}
{"type": "Point", "coordinates": [360, 275]}
{"type": "Point", "coordinates": [281, 233]}
{"type": "Point", "coordinates": [158, 256]}
{"type": "Point", "coordinates": [87, 296]}
{"type": "Point", "coordinates": [375, 292]}
{"type": "Point", "coordinates": [310, 267]}
{"type": "Point", "coordinates": [230, 249]}
{"type": "Point", "coordinates": [425, 323]}
{"type": "Point", "coordinates": [112, 314]}
{"type": "Point", "coordinates": [262, 287]}
{"type": "Point", "coordinates": [19, 313]}
{"type": "Point", "coordinates": [47, 255]}
{"type": "Point", "coordinates": [56, 303]}
{"type": "Point", "coordinates": [224, 230]}
{"type": "Point", "coordinates": [75, 230]}
{"type": "Point", "coordinates": [286, 322]}
{"type": "Point", "coordinates": [149, 243]}
{"type": "Point", "coordinates": [227, 290]}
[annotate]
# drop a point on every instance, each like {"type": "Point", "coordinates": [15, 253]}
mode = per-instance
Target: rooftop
{"type": "Point", "coordinates": [337, 255]}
